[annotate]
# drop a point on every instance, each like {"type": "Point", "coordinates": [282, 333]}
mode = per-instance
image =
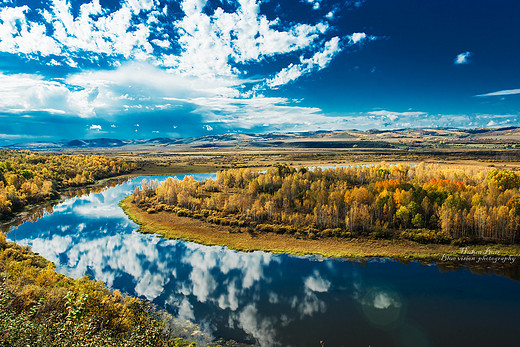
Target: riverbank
{"type": "Point", "coordinates": [37, 210]}
{"type": "Point", "coordinates": [169, 225]}
{"type": "Point", "coordinates": [41, 307]}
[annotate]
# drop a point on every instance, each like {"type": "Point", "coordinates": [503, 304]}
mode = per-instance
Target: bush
{"type": "Point", "coordinates": [381, 234]}
{"type": "Point", "coordinates": [463, 241]}
{"type": "Point", "coordinates": [2, 240]}
{"type": "Point", "coordinates": [346, 234]}
{"type": "Point", "coordinates": [330, 232]}
{"type": "Point", "coordinates": [184, 212]}
{"type": "Point", "coordinates": [39, 307]}
{"type": "Point", "coordinates": [425, 236]}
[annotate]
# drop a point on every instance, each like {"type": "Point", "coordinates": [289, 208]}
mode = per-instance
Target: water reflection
{"type": "Point", "coordinates": [271, 299]}
{"type": "Point", "coordinates": [42, 210]}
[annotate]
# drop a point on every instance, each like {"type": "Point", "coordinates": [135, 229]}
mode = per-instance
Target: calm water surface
{"type": "Point", "coordinates": [267, 299]}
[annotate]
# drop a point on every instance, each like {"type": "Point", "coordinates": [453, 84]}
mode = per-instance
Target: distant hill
{"type": "Point", "coordinates": [370, 139]}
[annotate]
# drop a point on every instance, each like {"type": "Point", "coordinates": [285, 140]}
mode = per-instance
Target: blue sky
{"type": "Point", "coordinates": [153, 68]}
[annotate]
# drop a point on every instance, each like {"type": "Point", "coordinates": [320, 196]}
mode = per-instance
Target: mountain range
{"type": "Point", "coordinates": [371, 139]}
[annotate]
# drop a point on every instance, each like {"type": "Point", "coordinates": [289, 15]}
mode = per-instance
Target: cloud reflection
{"type": "Point", "coordinates": [254, 294]}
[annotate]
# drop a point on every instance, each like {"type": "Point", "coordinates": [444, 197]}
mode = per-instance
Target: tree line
{"type": "Point", "coordinates": [426, 203]}
{"type": "Point", "coordinates": [28, 178]}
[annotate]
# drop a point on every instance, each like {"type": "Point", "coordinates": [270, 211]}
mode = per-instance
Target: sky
{"type": "Point", "coordinates": [72, 69]}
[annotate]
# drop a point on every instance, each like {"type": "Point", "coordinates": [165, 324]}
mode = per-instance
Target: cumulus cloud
{"type": "Point", "coordinates": [211, 43]}
{"type": "Point", "coordinates": [95, 127]}
{"type": "Point", "coordinates": [316, 283]}
{"type": "Point", "coordinates": [357, 38]}
{"type": "Point", "coordinates": [463, 58]}
{"type": "Point", "coordinates": [104, 92]}
{"type": "Point", "coordinates": [21, 93]}
{"type": "Point", "coordinates": [315, 4]}
{"type": "Point", "coordinates": [143, 57]}
{"type": "Point", "coordinates": [318, 61]}
{"type": "Point", "coordinates": [18, 35]}
{"type": "Point", "coordinates": [196, 43]}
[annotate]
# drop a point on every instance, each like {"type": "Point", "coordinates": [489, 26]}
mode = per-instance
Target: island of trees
{"type": "Point", "coordinates": [431, 203]}
{"type": "Point", "coordinates": [28, 178]}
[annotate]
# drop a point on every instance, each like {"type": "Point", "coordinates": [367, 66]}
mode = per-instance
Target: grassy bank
{"type": "Point", "coordinates": [39, 307]}
{"type": "Point", "coordinates": [169, 225]}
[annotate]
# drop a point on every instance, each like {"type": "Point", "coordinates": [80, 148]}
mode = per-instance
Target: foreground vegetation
{"type": "Point", "coordinates": [28, 178]}
{"type": "Point", "coordinates": [437, 204]}
{"type": "Point", "coordinates": [39, 307]}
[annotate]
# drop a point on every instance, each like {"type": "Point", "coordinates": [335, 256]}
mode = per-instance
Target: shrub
{"type": "Point", "coordinates": [39, 307]}
{"type": "Point", "coordinates": [425, 236]}
{"type": "Point", "coordinates": [381, 234]}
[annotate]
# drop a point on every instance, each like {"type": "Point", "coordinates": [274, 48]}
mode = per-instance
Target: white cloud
{"type": "Point", "coordinates": [262, 329]}
{"type": "Point", "coordinates": [216, 100]}
{"type": "Point", "coordinates": [21, 93]}
{"type": "Point", "coordinates": [205, 45]}
{"type": "Point", "coordinates": [463, 58]}
{"type": "Point", "coordinates": [315, 4]}
{"type": "Point", "coordinates": [207, 127]}
{"type": "Point", "coordinates": [383, 300]}
{"type": "Point", "coordinates": [259, 111]}
{"type": "Point", "coordinates": [316, 283]}
{"type": "Point", "coordinates": [211, 42]}
{"type": "Point", "coordinates": [392, 116]}
{"type": "Point", "coordinates": [502, 92]}
{"type": "Point", "coordinates": [88, 94]}
{"type": "Point", "coordinates": [318, 61]}
{"type": "Point", "coordinates": [94, 30]}
{"type": "Point", "coordinates": [199, 59]}
{"type": "Point", "coordinates": [110, 34]}
{"type": "Point", "coordinates": [357, 37]}
{"type": "Point", "coordinates": [95, 127]}
{"type": "Point", "coordinates": [20, 137]}
{"type": "Point", "coordinates": [17, 35]}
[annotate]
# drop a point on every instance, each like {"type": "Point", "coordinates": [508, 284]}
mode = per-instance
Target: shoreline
{"type": "Point", "coordinates": [169, 225]}
{"type": "Point", "coordinates": [50, 308]}
{"type": "Point", "coordinates": [22, 216]}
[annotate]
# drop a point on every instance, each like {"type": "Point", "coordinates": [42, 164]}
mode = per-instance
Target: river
{"type": "Point", "coordinates": [270, 300]}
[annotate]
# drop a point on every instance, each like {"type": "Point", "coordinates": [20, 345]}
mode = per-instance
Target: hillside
{"type": "Point", "coordinates": [348, 139]}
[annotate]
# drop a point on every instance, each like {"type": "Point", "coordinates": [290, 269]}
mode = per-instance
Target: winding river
{"type": "Point", "coordinates": [266, 299]}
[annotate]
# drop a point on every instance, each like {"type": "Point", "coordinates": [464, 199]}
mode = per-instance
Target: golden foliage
{"type": "Point", "coordinates": [466, 203]}
{"type": "Point", "coordinates": [28, 178]}
{"type": "Point", "coordinates": [39, 307]}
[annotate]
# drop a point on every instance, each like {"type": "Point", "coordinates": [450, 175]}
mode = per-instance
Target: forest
{"type": "Point", "coordinates": [28, 178]}
{"type": "Point", "coordinates": [426, 203]}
